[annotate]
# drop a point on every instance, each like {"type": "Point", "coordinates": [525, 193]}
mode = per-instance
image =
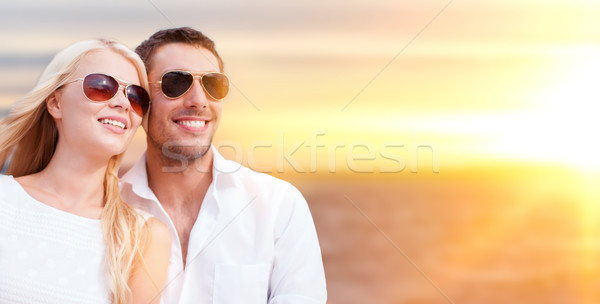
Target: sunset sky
{"type": "Point", "coordinates": [495, 102]}
{"type": "Point", "coordinates": [474, 82]}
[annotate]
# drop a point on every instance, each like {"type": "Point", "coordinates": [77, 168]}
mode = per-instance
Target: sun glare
{"type": "Point", "coordinates": [571, 100]}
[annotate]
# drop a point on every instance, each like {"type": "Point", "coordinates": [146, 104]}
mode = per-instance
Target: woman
{"type": "Point", "coordinates": [66, 236]}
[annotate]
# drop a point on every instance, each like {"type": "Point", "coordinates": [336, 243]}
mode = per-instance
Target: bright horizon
{"type": "Point", "coordinates": [504, 80]}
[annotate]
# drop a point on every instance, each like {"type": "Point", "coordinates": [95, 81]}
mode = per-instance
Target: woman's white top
{"type": "Point", "coordinates": [48, 255]}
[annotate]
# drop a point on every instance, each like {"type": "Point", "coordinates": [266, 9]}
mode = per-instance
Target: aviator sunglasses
{"type": "Point", "coordinates": [176, 83]}
{"type": "Point", "coordinates": [100, 87]}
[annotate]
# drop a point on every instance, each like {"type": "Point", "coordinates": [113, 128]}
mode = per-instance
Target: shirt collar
{"type": "Point", "coordinates": [137, 176]}
{"type": "Point", "coordinates": [223, 173]}
{"type": "Point", "coordinates": [222, 166]}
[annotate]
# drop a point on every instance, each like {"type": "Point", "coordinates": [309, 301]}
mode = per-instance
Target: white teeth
{"type": "Point", "coordinates": [113, 123]}
{"type": "Point", "coordinates": [192, 123]}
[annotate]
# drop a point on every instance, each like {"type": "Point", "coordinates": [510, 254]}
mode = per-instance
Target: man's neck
{"type": "Point", "coordinates": [180, 192]}
{"type": "Point", "coordinates": [181, 182]}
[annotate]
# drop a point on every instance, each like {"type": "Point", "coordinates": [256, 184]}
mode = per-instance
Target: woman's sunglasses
{"type": "Point", "coordinates": [176, 83]}
{"type": "Point", "coordinates": [100, 87]}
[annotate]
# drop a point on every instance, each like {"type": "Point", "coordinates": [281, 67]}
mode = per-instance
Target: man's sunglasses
{"type": "Point", "coordinates": [176, 83]}
{"type": "Point", "coordinates": [100, 87]}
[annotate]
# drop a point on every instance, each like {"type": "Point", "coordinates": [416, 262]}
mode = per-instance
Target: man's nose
{"type": "Point", "coordinates": [196, 97]}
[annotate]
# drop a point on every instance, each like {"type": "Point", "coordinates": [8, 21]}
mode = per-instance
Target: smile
{"type": "Point", "coordinates": [192, 123]}
{"type": "Point", "coordinates": [112, 123]}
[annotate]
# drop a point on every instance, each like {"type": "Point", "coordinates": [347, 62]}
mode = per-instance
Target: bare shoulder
{"type": "Point", "coordinates": [158, 233]}
{"type": "Point", "coordinates": [149, 277]}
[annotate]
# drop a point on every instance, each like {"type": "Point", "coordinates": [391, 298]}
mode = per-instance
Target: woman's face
{"type": "Point", "coordinates": [100, 129]}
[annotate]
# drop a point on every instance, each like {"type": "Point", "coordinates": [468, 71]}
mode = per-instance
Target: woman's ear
{"type": "Point", "coordinates": [53, 105]}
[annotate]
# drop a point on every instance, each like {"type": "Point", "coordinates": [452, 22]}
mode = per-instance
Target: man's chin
{"type": "Point", "coordinates": [178, 150]}
{"type": "Point", "coordinates": [185, 151]}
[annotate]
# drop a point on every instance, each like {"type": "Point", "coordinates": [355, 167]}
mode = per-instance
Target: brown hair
{"type": "Point", "coordinates": [175, 35]}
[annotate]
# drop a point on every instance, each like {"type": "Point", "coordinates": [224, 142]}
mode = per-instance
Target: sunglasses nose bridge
{"type": "Point", "coordinates": [196, 96]}
{"type": "Point", "coordinates": [199, 79]}
{"type": "Point", "coordinates": [120, 99]}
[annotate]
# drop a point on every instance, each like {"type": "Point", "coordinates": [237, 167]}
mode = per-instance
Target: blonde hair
{"type": "Point", "coordinates": [29, 136]}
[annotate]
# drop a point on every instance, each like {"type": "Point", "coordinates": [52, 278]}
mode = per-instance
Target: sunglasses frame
{"type": "Point", "coordinates": [193, 80]}
{"type": "Point", "coordinates": [122, 84]}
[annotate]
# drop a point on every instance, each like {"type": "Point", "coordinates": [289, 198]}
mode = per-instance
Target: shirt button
{"type": "Point", "coordinates": [171, 260]}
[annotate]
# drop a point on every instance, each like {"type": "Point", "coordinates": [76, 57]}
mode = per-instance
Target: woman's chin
{"type": "Point", "coordinates": [106, 152]}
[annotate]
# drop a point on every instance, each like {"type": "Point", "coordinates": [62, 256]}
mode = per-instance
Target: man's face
{"type": "Point", "coordinates": [184, 125]}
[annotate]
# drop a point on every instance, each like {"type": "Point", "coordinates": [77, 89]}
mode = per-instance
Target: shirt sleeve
{"type": "Point", "coordinates": [298, 276]}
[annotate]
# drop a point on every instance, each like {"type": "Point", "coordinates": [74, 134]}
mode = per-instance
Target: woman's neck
{"type": "Point", "coordinates": [72, 183]}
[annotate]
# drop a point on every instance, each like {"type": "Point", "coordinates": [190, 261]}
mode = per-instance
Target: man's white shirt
{"type": "Point", "coordinates": [254, 240]}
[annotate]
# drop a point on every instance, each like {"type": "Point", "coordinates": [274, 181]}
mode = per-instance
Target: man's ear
{"type": "Point", "coordinates": [53, 105]}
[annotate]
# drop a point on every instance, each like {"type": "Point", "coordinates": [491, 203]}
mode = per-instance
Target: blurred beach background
{"type": "Point", "coordinates": [449, 150]}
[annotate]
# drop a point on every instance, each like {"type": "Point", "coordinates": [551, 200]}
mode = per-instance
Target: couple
{"type": "Point", "coordinates": [183, 221]}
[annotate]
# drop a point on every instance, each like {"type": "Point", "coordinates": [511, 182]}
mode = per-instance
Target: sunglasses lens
{"type": "Point", "coordinates": [216, 85]}
{"type": "Point", "coordinates": [100, 87]}
{"type": "Point", "coordinates": [138, 98]}
{"type": "Point", "coordinates": [176, 83]}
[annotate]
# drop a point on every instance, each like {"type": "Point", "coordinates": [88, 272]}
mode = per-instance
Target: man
{"type": "Point", "coordinates": [238, 236]}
